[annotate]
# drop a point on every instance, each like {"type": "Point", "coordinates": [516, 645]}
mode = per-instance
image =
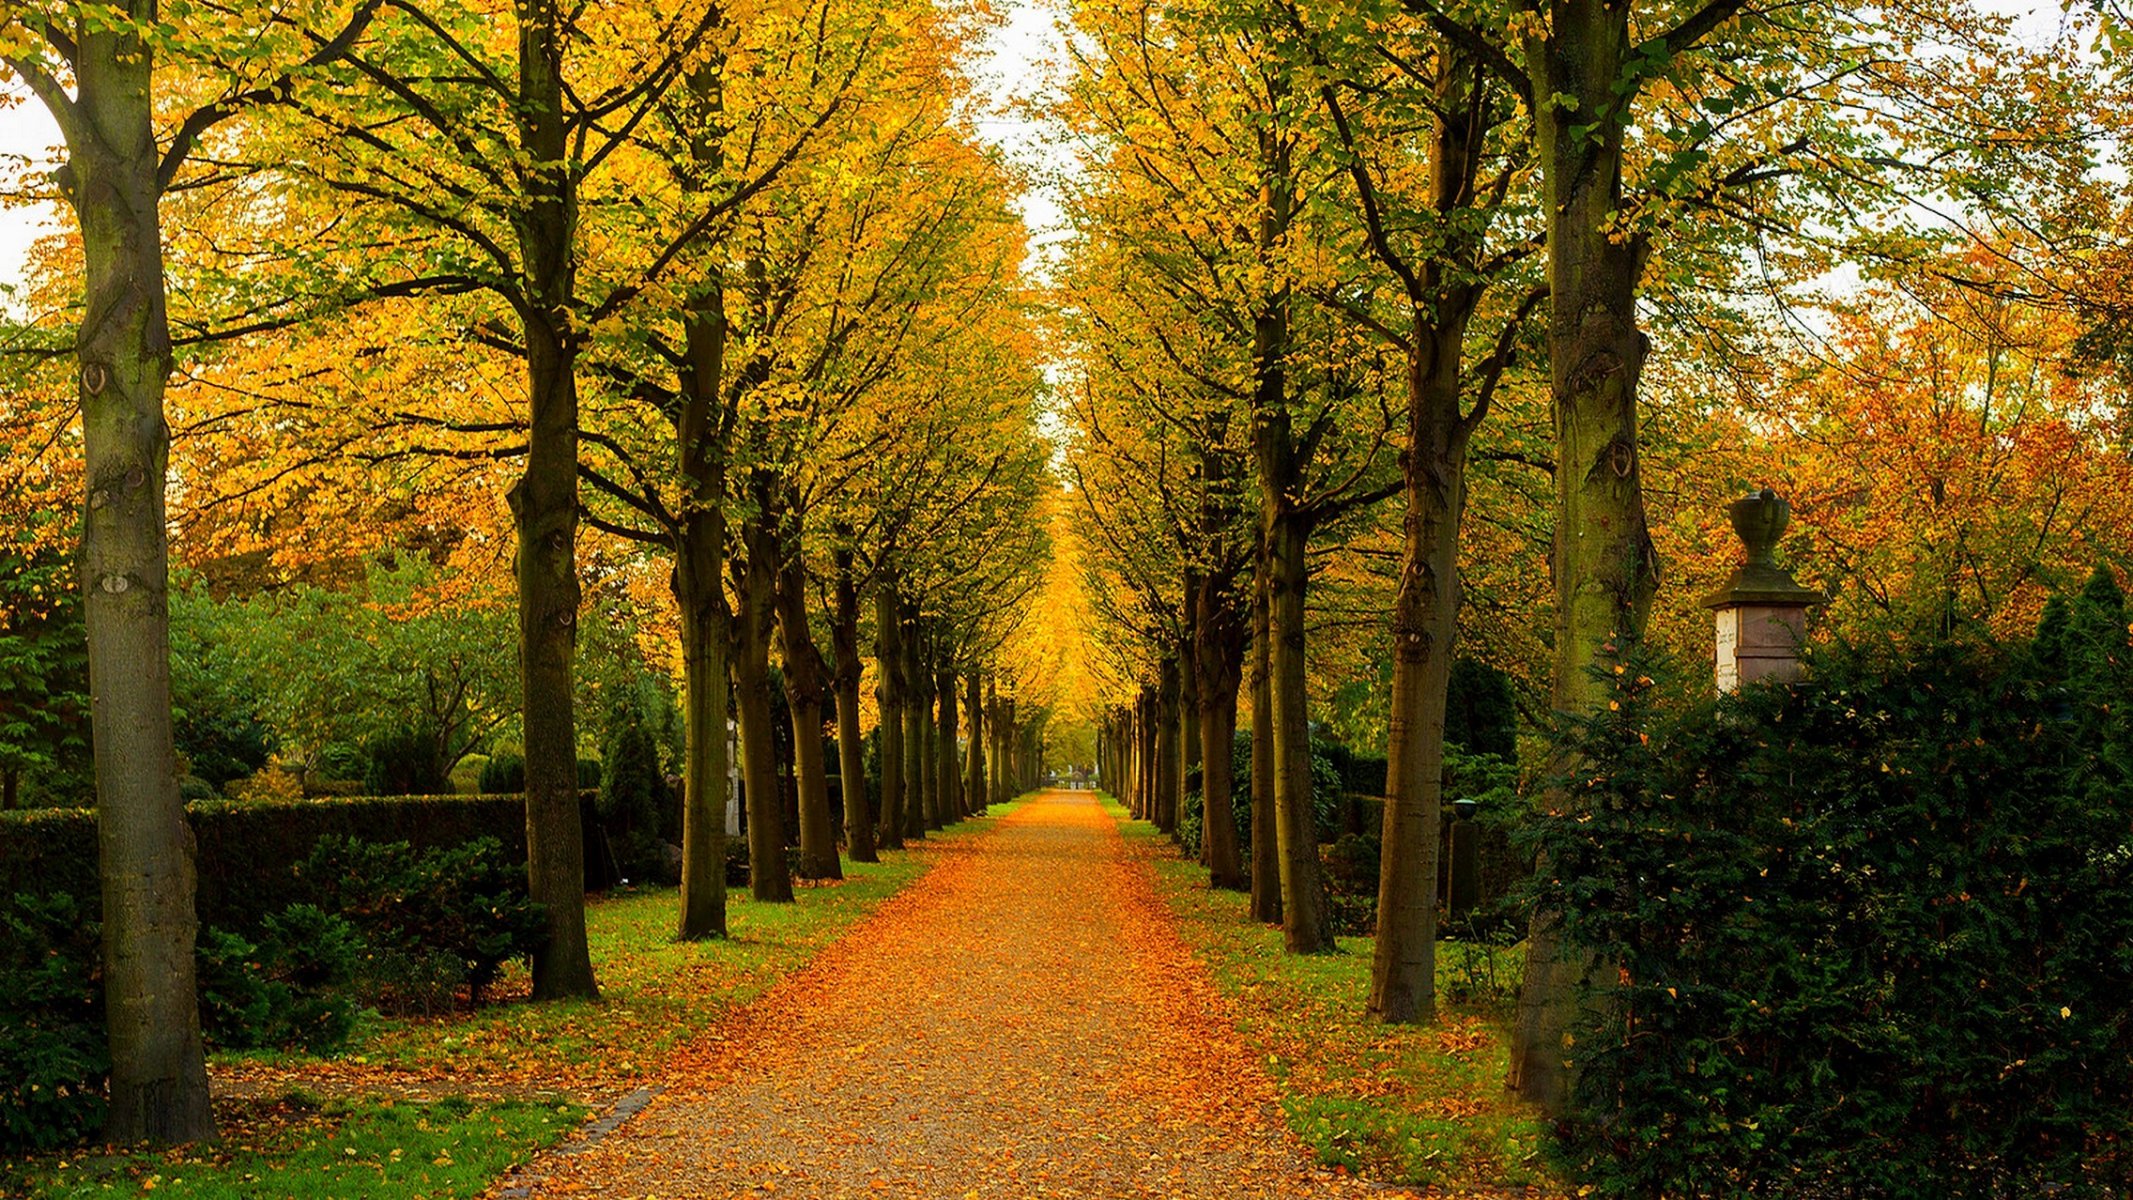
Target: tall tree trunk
{"type": "Point", "coordinates": [944, 741]}
{"type": "Point", "coordinates": [806, 692]}
{"type": "Point", "coordinates": [1306, 919]}
{"type": "Point", "coordinates": [754, 594]}
{"type": "Point", "coordinates": [545, 504]}
{"type": "Point", "coordinates": [1188, 713]}
{"type": "Point", "coordinates": [930, 731]}
{"type": "Point", "coordinates": [1307, 924]}
{"type": "Point", "coordinates": [851, 743]}
{"type": "Point", "coordinates": [1605, 569]}
{"type": "Point", "coordinates": [1169, 775]}
{"type": "Point", "coordinates": [1425, 625]}
{"type": "Point", "coordinates": [1266, 846]}
{"type": "Point", "coordinates": [159, 1090]}
{"type": "Point", "coordinates": [700, 559]}
{"type": "Point", "coordinates": [974, 784]}
{"type": "Point", "coordinates": [915, 723]}
{"type": "Point", "coordinates": [891, 697]}
{"type": "Point", "coordinates": [1010, 777]}
{"type": "Point", "coordinates": [699, 591]}
{"type": "Point", "coordinates": [1219, 659]}
{"type": "Point", "coordinates": [1285, 531]}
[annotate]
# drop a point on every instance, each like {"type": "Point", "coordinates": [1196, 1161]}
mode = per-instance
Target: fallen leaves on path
{"type": "Point", "coordinates": [1023, 1021]}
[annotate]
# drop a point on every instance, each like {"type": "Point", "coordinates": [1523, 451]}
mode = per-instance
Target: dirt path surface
{"type": "Point", "coordinates": [1023, 1021]}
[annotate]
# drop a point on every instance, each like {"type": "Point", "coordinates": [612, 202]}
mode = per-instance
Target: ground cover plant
{"type": "Point", "coordinates": [657, 994]}
{"type": "Point", "coordinates": [298, 1147]}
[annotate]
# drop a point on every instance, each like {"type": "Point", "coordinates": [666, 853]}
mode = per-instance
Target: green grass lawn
{"type": "Point", "coordinates": [1418, 1106]}
{"type": "Point", "coordinates": [656, 992]}
{"type": "Point", "coordinates": [299, 1149]}
{"type": "Point", "coordinates": [521, 1058]}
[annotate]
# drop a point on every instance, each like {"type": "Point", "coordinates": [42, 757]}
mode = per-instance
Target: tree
{"type": "Point", "coordinates": [94, 67]}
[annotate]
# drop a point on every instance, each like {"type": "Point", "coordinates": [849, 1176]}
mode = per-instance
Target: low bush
{"type": "Point", "coordinates": [1351, 865]}
{"type": "Point", "coordinates": [404, 762]}
{"type": "Point", "coordinates": [1868, 935]}
{"type": "Point", "coordinates": [459, 908]}
{"type": "Point", "coordinates": [503, 774]}
{"type": "Point", "coordinates": [288, 989]}
{"type": "Point", "coordinates": [633, 795]}
{"type": "Point", "coordinates": [52, 1056]}
{"type": "Point", "coordinates": [245, 848]}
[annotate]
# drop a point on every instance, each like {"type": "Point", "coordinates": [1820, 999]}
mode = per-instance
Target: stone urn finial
{"type": "Point", "coordinates": [1760, 519]}
{"type": "Point", "coordinates": [1762, 610]}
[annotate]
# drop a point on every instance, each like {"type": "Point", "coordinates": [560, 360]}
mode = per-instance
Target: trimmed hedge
{"type": "Point", "coordinates": [248, 849]}
{"type": "Point", "coordinates": [1866, 936]}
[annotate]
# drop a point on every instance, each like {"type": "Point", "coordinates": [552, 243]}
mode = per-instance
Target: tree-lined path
{"type": "Point", "coordinates": [1023, 1021]}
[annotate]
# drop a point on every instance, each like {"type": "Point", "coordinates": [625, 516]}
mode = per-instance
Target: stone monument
{"type": "Point", "coordinates": [1761, 611]}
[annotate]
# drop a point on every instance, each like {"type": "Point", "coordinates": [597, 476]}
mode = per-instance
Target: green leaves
{"type": "Point", "coordinates": [1883, 908]}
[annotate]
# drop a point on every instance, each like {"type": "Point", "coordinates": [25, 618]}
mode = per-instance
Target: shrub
{"type": "Point", "coordinates": [1351, 864]}
{"type": "Point", "coordinates": [504, 774]}
{"type": "Point", "coordinates": [1481, 710]}
{"type": "Point", "coordinates": [1329, 802]}
{"type": "Point", "coordinates": [287, 989]}
{"type": "Point", "coordinates": [1864, 936]}
{"type": "Point", "coordinates": [633, 794]}
{"type": "Point", "coordinates": [467, 902]}
{"type": "Point", "coordinates": [403, 762]}
{"type": "Point", "coordinates": [52, 1055]}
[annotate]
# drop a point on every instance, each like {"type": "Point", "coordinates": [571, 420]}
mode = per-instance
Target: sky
{"type": "Point", "coordinates": [1010, 69]}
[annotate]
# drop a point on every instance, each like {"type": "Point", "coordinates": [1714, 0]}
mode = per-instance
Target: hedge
{"type": "Point", "coordinates": [246, 848]}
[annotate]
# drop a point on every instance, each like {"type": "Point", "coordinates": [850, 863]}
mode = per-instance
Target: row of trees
{"type": "Point", "coordinates": [1328, 257]}
{"type": "Point", "coordinates": [725, 294]}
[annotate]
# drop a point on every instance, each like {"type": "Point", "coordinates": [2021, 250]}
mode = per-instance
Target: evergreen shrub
{"type": "Point", "coordinates": [53, 1064]}
{"type": "Point", "coordinates": [503, 774]}
{"type": "Point", "coordinates": [463, 908]}
{"type": "Point", "coordinates": [1865, 936]}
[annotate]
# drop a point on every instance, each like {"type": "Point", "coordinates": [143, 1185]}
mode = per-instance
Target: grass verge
{"type": "Point", "coordinates": [656, 992]}
{"type": "Point", "coordinates": [301, 1149]}
{"type": "Point", "coordinates": [1424, 1107]}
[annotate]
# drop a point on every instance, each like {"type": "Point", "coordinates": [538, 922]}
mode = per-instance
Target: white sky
{"type": "Point", "coordinates": [1012, 69]}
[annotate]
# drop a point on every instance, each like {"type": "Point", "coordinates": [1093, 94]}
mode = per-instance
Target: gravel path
{"type": "Point", "coordinates": [1022, 1021]}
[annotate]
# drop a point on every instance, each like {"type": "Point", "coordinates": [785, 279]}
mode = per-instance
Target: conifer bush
{"type": "Point", "coordinates": [462, 910]}
{"type": "Point", "coordinates": [53, 1061]}
{"type": "Point", "coordinates": [1869, 935]}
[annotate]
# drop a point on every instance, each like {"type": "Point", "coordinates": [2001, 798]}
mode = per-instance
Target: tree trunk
{"type": "Point", "coordinates": [754, 598]}
{"type": "Point", "coordinates": [1219, 660]}
{"type": "Point", "coordinates": [1010, 778]}
{"type": "Point", "coordinates": [974, 785]}
{"type": "Point", "coordinates": [545, 504]}
{"type": "Point", "coordinates": [944, 742]}
{"type": "Point", "coordinates": [929, 729]}
{"type": "Point", "coordinates": [1306, 920]}
{"type": "Point", "coordinates": [700, 564]}
{"type": "Point", "coordinates": [915, 723]}
{"type": "Point", "coordinates": [1307, 925]}
{"type": "Point", "coordinates": [1169, 775]}
{"type": "Point", "coordinates": [851, 744]}
{"type": "Point", "coordinates": [699, 592]}
{"type": "Point", "coordinates": [1188, 711]}
{"type": "Point", "coordinates": [889, 665]}
{"type": "Point", "coordinates": [1425, 625]}
{"type": "Point", "coordinates": [159, 1090]}
{"type": "Point", "coordinates": [805, 694]}
{"type": "Point", "coordinates": [1266, 851]}
{"type": "Point", "coordinates": [1605, 569]}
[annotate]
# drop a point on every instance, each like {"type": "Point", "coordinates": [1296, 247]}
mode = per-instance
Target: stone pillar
{"type": "Point", "coordinates": [1761, 611]}
{"type": "Point", "coordinates": [1465, 890]}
